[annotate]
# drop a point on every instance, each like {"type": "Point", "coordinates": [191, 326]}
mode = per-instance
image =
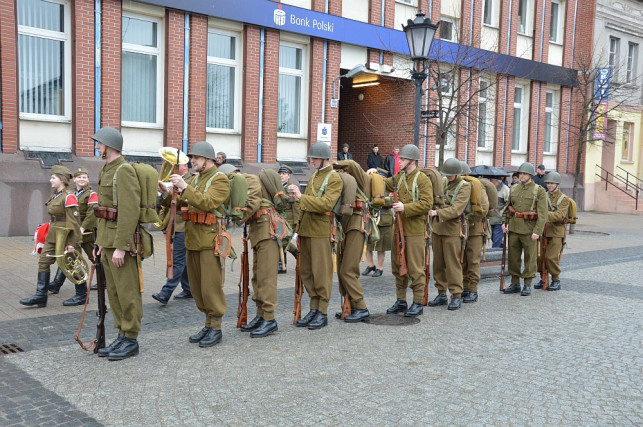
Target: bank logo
{"type": "Point", "coordinates": [279, 17]}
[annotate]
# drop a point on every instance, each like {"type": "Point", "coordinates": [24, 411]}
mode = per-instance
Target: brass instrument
{"type": "Point", "coordinates": [72, 264]}
{"type": "Point", "coordinates": [168, 154]}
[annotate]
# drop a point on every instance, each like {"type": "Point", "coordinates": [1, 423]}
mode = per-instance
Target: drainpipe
{"type": "Point", "coordinates": [186, 79]}
{"type": "Point", "coordinates": [502, 160]}
{"type": "Point", "coordinates": [569, 112]}
{"type": "Point", "coordinates": [97, 66]}
{"type": "Point", "coordinates": [381, 24]}
{"type": "Point", "coordinates": [509, 29]}
{"type": "Point", "coordinates": [538, 127]}
{"type": "Point", "coordinates": [262, 48]}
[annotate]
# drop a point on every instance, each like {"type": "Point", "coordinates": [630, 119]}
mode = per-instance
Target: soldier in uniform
{"type": "Point", "coordinates": [62, 207]}
{"type": "Point", "coordinates": [87, 199]}
{"type": "Point", "coordinates": [447, 236]}
{"type": "Point", "coordinates": [115, 241]}
{"type": "Point", "coordinates": [385, 242]}
{"type": "Point", "coordinates": [555, 230]}
{"type": "Point", "coordinates": [204, 195]}
{"type": "Point", "coordinates": [527, 205]}
{"type": "Point", "coordinates": [415, 198]}
{"type": "Point", "coordinates": [291, 215]}
{"type": "Point", "coordinates": [315, 220]}
{"type": "Point", "coordinates": [265, 253]}
{"type": "Point", "coordinates": [476, 230]}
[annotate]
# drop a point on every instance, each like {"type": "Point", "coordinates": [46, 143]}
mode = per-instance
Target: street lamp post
{"type": "Point", "coordinates": [419, 35]}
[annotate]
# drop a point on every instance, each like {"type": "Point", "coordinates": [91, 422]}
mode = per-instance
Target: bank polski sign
{"type": "Point", "coordinates": [281, 18]}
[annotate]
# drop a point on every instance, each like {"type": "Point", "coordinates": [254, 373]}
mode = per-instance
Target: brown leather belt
{"type": "Point", "coordinates": [110, 214]}
{"type": "Point", "coordinates": [530, 216]}
{"type": "Point", "coordinates": [259, 213]}
{"type": "Point", "coordinates": [359, 204]}
{"type": "Point", "coordinates": [198, 217]}
{"type": "Point", "coordinates": [54, 218]}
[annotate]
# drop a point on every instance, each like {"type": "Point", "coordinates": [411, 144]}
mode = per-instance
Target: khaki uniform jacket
{"type": "Point", "coordinates": [179, 223]}
{"type": "Point", "coordinates": [495, 218]}
{"type": "Point", "coordinates": [86, 212]}
{"type": "Point", "coordinates": [56, 207]}
{"type": "Point", "coordinates": [555, 225]}
{"type": "Point", "coordinates": [259, 229]}
{"type": "Point", "coordinates": [521, 197]}
{"type": "Point", "coordinates": [199, 237]}
{"type": "Point", "coordinates": [414, 215]}
{"type": "Point", "coordinates": [447, 221]}
{"type": "Point", "coordinates": [118, 234]}
{"type": "Point", "coordinates": [291, 214]}
{"type": "Point", "coordinates": [313, 222]}
{"type": "Point", "coordinates": [476, 222]}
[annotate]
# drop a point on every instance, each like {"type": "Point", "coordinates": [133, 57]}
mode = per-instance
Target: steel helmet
{"type": "Point", "coordinates": [203, 149]}
{"type": "Point", "coordinates": [227, 168]}
{"type": "Point", "coordinates": [451, 167]}
{"type": "Point", "coordinates": [319, 150]}
{"type": "Point", "coordinates": [527, 168]}
{"type": "Point", "coordinates": [465, 168]}
{"type": "Point", "coordinates": [554, 177]}
{"type": "Point", "coordinates": [110, 137]}
{"type": "Point", "coordinates": [410, 151]}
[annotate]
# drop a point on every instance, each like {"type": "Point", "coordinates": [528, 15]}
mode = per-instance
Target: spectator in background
{"type": "Point", "coordinates": [495, 219]}
{"type": "Point", "coordinates": [344, 154]}
{"type": "Point", "coordinates": [392, 162]}
{"type": "Point", "coordinates": [374, 160]}
{"type": "Point", "coordinates": [539, 178]}
{"type": "Point", "coordinates": [514, 178]}
{"type": "Point", "coordinates": [221, 158]}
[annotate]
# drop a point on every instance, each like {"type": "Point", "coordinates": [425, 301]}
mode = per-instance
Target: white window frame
{"type": "Point", "coordinates": [303, 110]}
{"type": "Point", "coordinates": [555, 25]}
{"type": "Point", "coordinates": [485, 126]}
{"type": "Point", "coordinates": [454, 29]}
{"type": "Point", "coordinates": [632, 54]}
{"type": "Point", "coordinates": [160, 61]}
{"type": "Point", "coordinates": [628, 134]}
{"type": "Point", "coordinates": [65, 37]}
{"type": "Point", "coordinates": [493, 4]}
{"type": "Point", "coordinates": [407, 2]}
{"type": "Point", "coordinates": [551, 131]}
{"type": "Point", "coordinates": [526, 31]}
{"type": "Point", "coordinates": [236, 64]}
{"type": "Point", "coordinates": [614, 47]}
{"type": "Point", "coordinates": [518, 106]}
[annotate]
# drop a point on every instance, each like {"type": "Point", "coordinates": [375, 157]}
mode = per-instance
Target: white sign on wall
{"type": "Point", "coordinates": [324, 132]}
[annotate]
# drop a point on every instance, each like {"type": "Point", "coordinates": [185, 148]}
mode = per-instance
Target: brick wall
{"type": "Point", "coordinates": [270, 96]}
{"type": "Point", "coordinates": [198, 79]}
{"type": "Point", "coordinates": [174, 59]}
{"type": "Point", "coordinates": [83, 78]}
{"type": "Point", "coordinates": [9, 76]}
{"type": "Point", "coordinates": [250, 93]}
{"type": "Point", "coordinates": [504, 118]}
{"type": "Point", "coordinates": [111, 32]}
{"type": "Point", "coordinates": [536, 126]}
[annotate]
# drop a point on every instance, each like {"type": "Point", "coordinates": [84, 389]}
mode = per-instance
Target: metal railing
{"type": "Point", "coordinates": [633, 183]}
{"type": "Point", "coordinates": [619, 178]}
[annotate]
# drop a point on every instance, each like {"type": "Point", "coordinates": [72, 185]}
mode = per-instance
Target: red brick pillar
{"type": "Point", "coordinates": [83, 78]}
{"type": "Point", "coordinates": [9, 76]}
{"type": "Point", "coordinates": [536, 132]}
{"type": "Point", "coordinates": [541, 30]}
{"type": "Point", "coordinates": [174, 73]}
{"type": "Point", "coordinates": [270, 96]}
{"type": "Point", "coordinates": [198, 78]}
{"type": "Point", "coordinates": [504, 119]}
{"type": "Point", "coordinates": [250, 93]}
{"type": "Point", "coordinates": [111, 56]}
{"type": "Point", "coordinates": [508, 14]}
{"type": "Point", "coordinates": [315, 95]}
{"type": "Point", "coordinates": [471, 22]}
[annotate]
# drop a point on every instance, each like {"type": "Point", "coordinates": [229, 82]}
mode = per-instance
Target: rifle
{"type": "Point", "coordinates": [99, 341]}
{"type": "Point", "coordinates": [504, 257]}
{"type": "Point", "coordinates": [299, 286]}
{"type": "Point", "coordinates": [242, 308]}
{"type": "Point", "coordinates": [427, 274]}
{"type": "Point", "coordinates": [169, 233]}
{"type": "Point", "coordinates": [345, 299]}
{"type": "Point", "coordinates": [464, 232]}
{"type": "Point", "coordinates": [400, 245]}
{"type": "Point", "coordinates": [544, 272]}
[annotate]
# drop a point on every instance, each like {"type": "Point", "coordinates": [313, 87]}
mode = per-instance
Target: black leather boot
{"type": "Point", "coordinates": [79, 298]}
{"type": "Point", "coordinates": [319, 321]}
{"type": "Point", "coordinates": [252, 325]}
{"type": "Point", "coordinates": [199, 335]}
{"type": "Point", "coordinates": [526, 291]}
{"type": "Point", "coordinates": [472, 297]}
{"type": "Point", "coordinates": [455, 304]}
{"type": "Point", "coordinates": [103, 352]}
{"type": "Point", "coordinates": [211, 338]}
{"type": "Point", "coordinates": [368, 270]}
{"type": "Point", "coordinates": [555, 286]}
{"type": "Point", "coordinates": [266, 327]}
{"type": "Point", "coordinates": [306, 319]}
{"type": "Point", "coordinates": [358, 315]}
{"type": "Point", "coordinates": [40, 298]}
{"type": "Point", "coordinates": [415, 309]}
{"type": "Point", "coordinates": [465, 293]}
{"type": "Point", "coordinates": [539, 285]}
{"type": "Point", "coordinates": [398, 307]}
{"type": "Point", "coordinates": [57, 283]}
{"type": "Point", "coordinates": [441, 299]}
{"type": "Point", "coordinates": [128, 347]}
{"type": "Point", "coordinates": [513, 289]}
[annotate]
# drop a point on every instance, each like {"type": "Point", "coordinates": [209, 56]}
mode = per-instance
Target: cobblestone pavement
{"type": "Point", "coordinates": [571, 357]}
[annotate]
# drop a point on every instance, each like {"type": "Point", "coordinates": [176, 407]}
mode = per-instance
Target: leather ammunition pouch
{"type": "Point", "coordinates": [359, 205]}
{"type": "Point", "coordinates": [198, 217]}
{"type": "Point", "coordinates": [529, 216]}
{"type": "Point", "coordinates": [110, 214]}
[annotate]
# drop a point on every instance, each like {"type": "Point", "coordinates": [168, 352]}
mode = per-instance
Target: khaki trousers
{"type": "Point", "coordinates": [348, 269]}
{"type": "Point", "coordinates": [206, 285]}
{"type": "Point", "coordinates": [517, 244]}
{"type": "Point", "coordinates": [552, 264]}
{"type": "Point", "coordinates": [316, 270]}
{"type": "Point", "coordinates": [414, 246]}
{"type": "Point", "coordinates": [123, 291]}
{"type": "Point", "coordinates": [447, 270]}
{"type": "Point", "coordinates": [265, 256]}
{"type": "Point", "coordinates": [471, 265]}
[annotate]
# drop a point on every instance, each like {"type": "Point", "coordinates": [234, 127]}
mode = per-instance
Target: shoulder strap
{"type": "Point", "coordinates": [114, 202]}
{"type": "Point", "coordinates": [560, 199]}
{"type": "Point", "coordinates": [455, 192]}
{"type": "Point", "coordinates": [414, 187]}
{"type": "Point", "coordinates": [533, 202]}
{"type": "Point", "coordinates": [324, 184]}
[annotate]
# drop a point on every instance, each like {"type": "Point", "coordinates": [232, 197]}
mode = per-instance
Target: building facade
{"type": "Point", "coordinates": [262, 80]}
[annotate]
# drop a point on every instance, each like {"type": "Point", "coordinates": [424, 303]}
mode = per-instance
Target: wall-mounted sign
{"type": "Point", "coordinates": [324, 132]}
{"type": "Point", "coordinates": [601, 96]}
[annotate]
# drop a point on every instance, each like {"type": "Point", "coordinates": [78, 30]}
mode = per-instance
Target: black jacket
{"type": "Point", "coordinates": [540, 180]}
{"type": "Point", "coordinates": [374, 160]}
{"type": "Point", "coordinates": [342, 156]}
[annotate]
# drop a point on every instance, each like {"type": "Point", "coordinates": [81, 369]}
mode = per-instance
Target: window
{"type": "Point", "coordinates": [222, 78]}
{"type": "Point", "coordinates": [405, 2]}
{"type": "Point", "coordinates": [517, 131]}
{"type": "Point", "coordinates": [523, 26]}
{"type": "Point", "coordinates": [141, 79]}
{"type": "Point", "coordinates": [446, 29]}
{"type": "Point", "coordinates": [44, 59]}
{"type": "Point", "coordinates": [551, 130]}
{"type": "Point", "coordinates": [628, 131]}
{"type": "Point", "coordinates": [483, 116]}
{"type": "Point", "coordinates": [632, 53]}
{"type": "Point", "coordinates": [487, 13]}
{"type": "Point", "coordinates": [291, 74]}
{"type": "Point", "coordinates": [613, 56]}
{"type": "Point", "coordinates": [554, 22]}
{"type": "Point", "coordinates": [446, 83]}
